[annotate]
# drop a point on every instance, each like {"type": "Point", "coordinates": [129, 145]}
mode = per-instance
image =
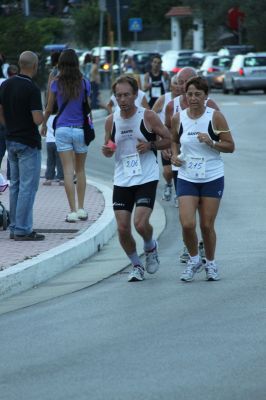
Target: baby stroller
{"type": "Point", "coordinates": [4, 214]}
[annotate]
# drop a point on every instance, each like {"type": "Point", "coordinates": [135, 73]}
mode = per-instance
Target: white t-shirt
{"type": "Point", "coordinates": [50, 137]}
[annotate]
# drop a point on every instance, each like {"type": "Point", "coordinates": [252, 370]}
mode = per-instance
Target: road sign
{"type": "Point", "coordinates": [135, 24]}
{"type": "Point", "coordinates": [102, 5]}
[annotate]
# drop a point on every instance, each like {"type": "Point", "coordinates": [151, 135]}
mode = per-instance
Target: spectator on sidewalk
{"type": "Point", "coordinates": [21, 112]}
{"type": "Point", "coordinates": [87, 65]}
{"type": "Point", "coordinates": [95, 80]}
{"type": "Point", "coordinates": [68, 89]}
{"type": "Point", "coordinates": [54, 169]}
{"type": "Point", "coordinates": [11, 71]}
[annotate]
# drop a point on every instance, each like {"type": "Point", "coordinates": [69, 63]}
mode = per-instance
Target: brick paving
{"type": "Point", "coordinates": [50, 210]}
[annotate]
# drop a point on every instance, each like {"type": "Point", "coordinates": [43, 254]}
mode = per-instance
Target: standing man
{"type": "Point", "coordinates": [131, 133]}
{"type": "Point", "coordinates": [21, 112]}
{"type": "Point", "coordinates": [156, 81]}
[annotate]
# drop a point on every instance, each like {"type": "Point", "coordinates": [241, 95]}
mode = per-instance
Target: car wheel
{"type": "Point", "coordinates": [235, 90]}
{"type": "Point", "coordinates": [225, 90]}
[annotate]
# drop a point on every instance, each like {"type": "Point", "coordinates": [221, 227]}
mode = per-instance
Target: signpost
{"type": "Point", "coordinates": [135, 25]}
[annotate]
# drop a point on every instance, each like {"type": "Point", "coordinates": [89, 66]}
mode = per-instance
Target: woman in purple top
{"type": "Point", "coordinates": [68, 90]}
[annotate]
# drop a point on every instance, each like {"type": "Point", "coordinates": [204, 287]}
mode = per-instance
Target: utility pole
{"type": "Point", "coordinates": [26, 6]}
{"type": "Point", "coordinates": [118, 23]}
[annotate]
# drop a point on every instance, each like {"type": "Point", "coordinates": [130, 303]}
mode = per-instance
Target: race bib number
{"type": "Point", "coordinates": [155, 92]}
{"type": "Point", "coordinates": [131, 165]}
{"type": "Point", "coordinates": [195, 167]}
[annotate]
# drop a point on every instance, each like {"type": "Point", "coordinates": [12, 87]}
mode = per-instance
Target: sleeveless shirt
{"type": "Point", "coordinates": [125, 133]}
{"type": "Point", "coordinates": [191, 147]}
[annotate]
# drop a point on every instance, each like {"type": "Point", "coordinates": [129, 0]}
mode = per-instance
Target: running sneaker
{"type": "Point", "coordinates": [136, 274]}
{"type": "Point", "coordinates": [202, 252]}
{"type": "Point", "coordinates": [152, 260]}
{"type": "Point", "coordinates": [176, 202]}
{"type": "Point", "coordinates": [184, 257]}
{"type": "Point", "coordinates": [191, 268]}
{"type": "Point", "coordinates": [167, 193]}
{"type": "Point", "coordinates": [212, 272]}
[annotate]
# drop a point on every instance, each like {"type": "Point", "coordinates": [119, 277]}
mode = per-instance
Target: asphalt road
{"type": "Point", "coordinates": [160, 339]}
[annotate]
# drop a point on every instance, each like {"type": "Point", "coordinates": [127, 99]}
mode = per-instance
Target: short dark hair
{"type": "Point", "coordinates": [156, 56]}
{"type": "Point", "coordinates": [54, 58]}
{"type": "Point", "coordinates": [199, 82]}
{"type": "Point", "coordinates": [126, 79]}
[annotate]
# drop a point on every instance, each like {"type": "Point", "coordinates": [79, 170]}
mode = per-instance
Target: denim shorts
{"type": "Point", "coordinates": [207, 189]}
{"type": "Point", "coordinates": [67, 139]}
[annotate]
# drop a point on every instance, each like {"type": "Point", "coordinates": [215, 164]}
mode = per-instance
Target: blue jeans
{"type": "Point", "coordinates": [25, 168]}
{"type": "Point", "coordinates": [53, 160]}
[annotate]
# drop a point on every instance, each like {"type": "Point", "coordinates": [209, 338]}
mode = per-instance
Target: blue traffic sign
{"type": "Point", "coordinates": [135, 24]}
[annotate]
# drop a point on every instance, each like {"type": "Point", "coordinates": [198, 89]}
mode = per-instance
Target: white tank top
{"type": "Point", "coordinates": [167, 99]}
{"type": "Point", "coordinates": [125, 134]}
{"type": "Point", "coordinates": [177, 105]}
{"type": "Point", "coordinates": [191, 147]}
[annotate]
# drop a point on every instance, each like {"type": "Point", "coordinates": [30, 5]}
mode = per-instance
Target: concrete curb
{"type": "Point", "coordinates": [30, 273]}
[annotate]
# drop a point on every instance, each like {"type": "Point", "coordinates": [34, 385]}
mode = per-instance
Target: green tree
{"type": "Point", "coordinates": [19, 33]}
{"type": "Point", "coordinates": [86, 24]}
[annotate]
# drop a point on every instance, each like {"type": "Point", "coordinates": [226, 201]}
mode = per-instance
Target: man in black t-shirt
{"type": "Point", "coordinates": [21, 112]}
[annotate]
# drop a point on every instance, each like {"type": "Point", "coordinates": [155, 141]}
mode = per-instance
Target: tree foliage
{"type": "Point", "coordinates": [86, 24]}
{"type": "Point", "coordinates": [19, 34]}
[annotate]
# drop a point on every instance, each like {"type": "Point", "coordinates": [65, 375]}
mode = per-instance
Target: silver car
{"type": "Point", "coordinates": [213, 69]}
{"type": "Point", "coordinates": [247, 72]}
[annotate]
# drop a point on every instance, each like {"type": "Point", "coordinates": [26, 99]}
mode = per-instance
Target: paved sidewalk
{"type": "Point", "coordinates": [50, 210]}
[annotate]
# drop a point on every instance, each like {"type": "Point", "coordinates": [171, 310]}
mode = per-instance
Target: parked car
{"type": "Point", "coordinates": [247, 72]}
{"type": "Point", "coordinates": [170, 59]}
{"type": "Point", "coordinates": [233, 50]}
{"type": "Point", "coordinates": [213, 68]}
{"type": "Point", "coordinates": [140, 60]}
{"type": "Point", "coordinates": [108, 57]}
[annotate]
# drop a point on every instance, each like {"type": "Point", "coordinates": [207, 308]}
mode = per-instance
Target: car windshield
{"type": "Point", "coordinates": [255, 62]}
{"type": "Point", "coordinates": [222, 62]}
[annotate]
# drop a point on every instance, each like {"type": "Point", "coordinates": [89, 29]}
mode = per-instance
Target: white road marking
{"type": "Point", "coordinates": [232, 103]}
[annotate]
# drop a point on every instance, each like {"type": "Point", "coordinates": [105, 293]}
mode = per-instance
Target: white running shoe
{"type": "Point", "coordinates": [184, 257]}
{"type": "Point", "coordinates": [72, 217]}
{"type": "Point", "coordinates": [191, 268]}
{"type": "Point", "coordinates": [136, 274]}
{"type": "Point", "coordinates": [212, 272]}
{"type": "Point", "coordinates": [152, 260]}
{"type": "Point", "coordinates": [176, 204]}
{"type": "Point", "coordinates": [202, 252]}
{"type": "Point", "coordinates": [82, 214]}
{"type": "Point", "coordinates": [167, 193]}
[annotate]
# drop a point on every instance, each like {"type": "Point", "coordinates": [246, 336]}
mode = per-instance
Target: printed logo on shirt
{"type": "Point", "coordinates": [193, 133]}
{"type": "Point", "coordinates": [127, 131]}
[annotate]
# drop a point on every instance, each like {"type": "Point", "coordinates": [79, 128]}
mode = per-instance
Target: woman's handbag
{"type": "Point", "coordinates": [89, 133]}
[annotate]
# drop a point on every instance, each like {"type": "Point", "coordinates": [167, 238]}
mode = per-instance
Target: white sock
{"type": "Point", "coordinates": [195, 259]}
{"type": "Point", "coordinates": [210, 262]}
